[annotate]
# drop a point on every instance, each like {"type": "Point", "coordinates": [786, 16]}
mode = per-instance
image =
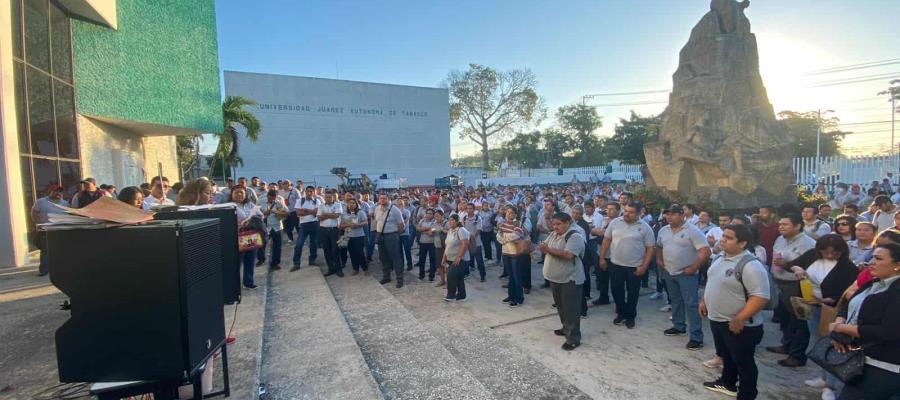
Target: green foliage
{"type": "Point", "coordinates": [802, 126]}
{"type": "Point", "coordinates": [627, 144]}
{"type": "Point", "coordinates": [186, 148]}
{"type": "Point", "coordinates": [804, 197]}
{"type": "Point", "coordinates": [580, 122]}
{"type": "Point", "coordinates": [557, 144]}
{"type": "Point", "coordinates": [486, 104]}
{"type": "Point", "coordinates": [236, 117]}
{"type": "Point", "coordinates": [525, 150]}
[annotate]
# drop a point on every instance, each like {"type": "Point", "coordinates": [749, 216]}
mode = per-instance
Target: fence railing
{"type": "Point", "coordinates": [850, 170]}
{"type": "Point", "coordinates": [615, 170]}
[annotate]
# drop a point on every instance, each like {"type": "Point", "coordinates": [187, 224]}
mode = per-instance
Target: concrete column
{"type": "Point", "coordinates": [13, 219]}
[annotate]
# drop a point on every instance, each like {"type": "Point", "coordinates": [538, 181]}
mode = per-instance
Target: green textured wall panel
{"type": "Point", "coordinates": [161, 66]}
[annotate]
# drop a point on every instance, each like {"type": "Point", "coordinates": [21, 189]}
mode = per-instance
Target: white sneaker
{"type": "Point", "coordinates": [828, 394]}
{"type": "Point", "coordinates": [715, 362]}
{"type": "Point", "coordinates": [656, 296]}
{"type": "Point", "coordinates": [665, 308]}
{"type": "Point", "coordinates": [816, 383]}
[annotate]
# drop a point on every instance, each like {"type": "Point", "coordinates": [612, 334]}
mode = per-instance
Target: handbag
{"type": "Point", "coordinates": [248, 240]}
{"type": "Point", "coordinates": [801, 310]}
{"type": "Point", "coordinates": [827, 315]}
{"type": "Point", "coordinates": [845, 366]}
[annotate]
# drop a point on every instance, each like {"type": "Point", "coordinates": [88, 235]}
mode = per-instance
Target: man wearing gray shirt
{"type": "Point", "coordinates": [733, 304]}
{"type": "Point", "coordinates": [682, 251]}
{"type": "Point", "coordinates": [564, 248]}
{"type": "Point", "coordinates": [388, 225]}
{"type": "Point", "coordinates": [795, 332]}
{"type": "Point", "coordinates": [629, 243]}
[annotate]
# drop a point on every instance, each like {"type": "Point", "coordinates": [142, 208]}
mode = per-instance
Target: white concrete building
{"type": "Point", "coordinates": [310, 125]}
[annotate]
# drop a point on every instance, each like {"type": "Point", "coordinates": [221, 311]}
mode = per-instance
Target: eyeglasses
{"type": "Point", "coordinates": [843, 224]}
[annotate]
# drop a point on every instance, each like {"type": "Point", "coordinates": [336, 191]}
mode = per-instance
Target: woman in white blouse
{"type": "Point", "coordinates": [246, 210]}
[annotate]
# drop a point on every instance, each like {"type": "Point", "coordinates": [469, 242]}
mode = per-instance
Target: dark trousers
{"type": "Point", "coordinates": [275, 240]}
{"type": "Point", "coordinates": [526, 272]}
{"type": "Point", "coordinates": [568, 298]}
{"type": "Point", "coordinates": [42, 245]}
{"type": "Point", "coordinates": [405, 246]}
{"type": "Point", "coordinates": [438, 256]}
{"type": "Point", "coordinates": [308, 230]}
{"type": "Point", "coordinates": [514, 266]}
{"type": "Point", "coordinates": [456, 284]}
{"type": "Point", "coordinates": [625, 287]}
{"type": "Point", "coordinates": [427, 249]}
{"type": "Point", "coordinates": [291, 222]}
{"type": "Point", "coordinates": [498, 250]}
{"type": "Point", "coordinates": [603, 282]}
{"type": "Point", "coordinates": [329, 237]}
{"type": "Point", "coordinates": [357, 254]}
{"type": "Point", "coordinates": [370, 242]}
{"type": "Point", "coordinates": [589, 260]}
{"type": "Point", "coordinates": [875, 383]}
{"type": "Point", "coordinates": [795, 332]}
{"type": "Point", "coordinates": [389, 253]}
{"type": "Point", "coordinates": [487, 240]}
{"type": "Point", "coordinates": [475, 259]}
{"type": "Point", "coordinates": [737, 351]}
{"type": "Point", "coordinates": [248, 258]}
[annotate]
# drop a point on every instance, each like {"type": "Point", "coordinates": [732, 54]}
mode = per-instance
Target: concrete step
{"type": "Point", "coordinates": [406, 359]}
{"type": "Point", "coordinates": [309, 351]}
{"type": "Point", "coordinates": [505, 369]}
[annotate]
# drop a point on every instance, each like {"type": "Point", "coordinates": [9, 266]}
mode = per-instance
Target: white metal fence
{"type": "Point", "coordinates": [849, 170]}
{"type": "Point", "coordinates": [528, 176]}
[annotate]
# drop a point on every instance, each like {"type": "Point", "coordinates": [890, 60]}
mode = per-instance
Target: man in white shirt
{"type": "Point", "coordinates": [813, 226]}
{"type": "Point", "coordinates": [157, 197]}
{"type": "Point", "coordinates": [388, 224]}
{"type": "Point", "coordinates": [274, 211]}
{"type": "Point", "coordinates": [40, 214]}
{"type": "Point", "coordinates": [630, 243]}
{"type": "Point", "coordinates": [306, 209]}
{"type": "Point", "coordinates": [884, 216]}
{"type": "Point", "coordinates": [329, 214]}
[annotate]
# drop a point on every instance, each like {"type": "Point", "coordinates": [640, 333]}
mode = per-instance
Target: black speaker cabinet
{"type": "Point", "coordinates": [146, 300]}
{"type": "Point", "coordinates": [231, 259]}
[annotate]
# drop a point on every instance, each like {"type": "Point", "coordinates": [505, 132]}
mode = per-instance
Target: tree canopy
{"type": "Point", "coordinates": [802, 126]}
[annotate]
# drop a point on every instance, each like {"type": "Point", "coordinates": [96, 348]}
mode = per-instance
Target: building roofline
{"type": "Point", "coordinates": [333, 80]}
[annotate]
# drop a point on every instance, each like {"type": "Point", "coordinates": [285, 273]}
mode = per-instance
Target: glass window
{"type": "Point", "coordinates": [37, 34]}
{"type": "Point", "coordinates": [46, 173]}
{"type": "Point", "coordinates": [40, 114]}
{"type": "Point", "coordinates": [64, 104]}
{"type": "Point", "coordinates": [60, 46]}
{"type": "Point", "coordinates": [26, 182]}
{"type": "Point", "coordinates": [21, 115]}
{"type": "Point", "coordinates": [70, 175]}
{"type": "Point", "coordinates": [16, 13]}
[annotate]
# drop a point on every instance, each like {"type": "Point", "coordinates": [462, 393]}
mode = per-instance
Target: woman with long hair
{"type": "Point", "coordinates": [863, 242]}
{"type": "Point", "coordinates": [246, 211]}
{"type": "Point", "coordinates": [845, 226]}
{"type": "Point", "coordinates": [455, 256]}
{"type": "Point", "coordinates": [195, 192]}
{"type": "Point", "coordinates": [132, 196]}
{"type": "Point", "coordinates": [352, 222]}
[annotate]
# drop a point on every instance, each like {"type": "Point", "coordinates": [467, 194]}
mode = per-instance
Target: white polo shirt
{"type": "Point", "coordinates": [333, 208]}
{"type": "Point", "coordinates": [308, 204]}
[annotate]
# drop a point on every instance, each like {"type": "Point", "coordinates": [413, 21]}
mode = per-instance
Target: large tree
{"type": "Point", "coordinates": [803, 126]}
{"type": "Point", "coordinates": [486, 104]}
{"type": "Point", "coordinates": [627, 143]}
{"type": "Point", "coordinates": [525, 149]}
{"type": "Point", "coordinates": [236, 117]}
{"type": "Point", "coordinates": [556, 146]}
{"type": "Point", "coordinates": [581, 122]}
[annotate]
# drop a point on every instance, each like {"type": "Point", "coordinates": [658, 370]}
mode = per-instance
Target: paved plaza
{"type": "Point", "coordinates": [302, 336]}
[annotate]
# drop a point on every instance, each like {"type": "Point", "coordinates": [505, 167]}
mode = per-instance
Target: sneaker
{"type": "Point", "coordinates": [656, 296]}
{"type": "Point", "coordinates": [665, 308]}
{"type": "Point", "coordinates": [583, 316]}
{"type": "Point", "coordinates": [250, 286]}
{"type": "Point", "coordinates": [507, 300]}
{"type": "Point", "coordinates": [513, 304]}
{"type": "Point", "coordinates": [559, 332]}
{"type": "Point", "coordinates": [828, 394]}
{"type": "Point", "coordinates": [673, 332]}
{"type": "Point", "coordinates": [719, 387]}
{"type": "Point", "coordinates": [399, 285]}
{"type": "Point", "coordinates": [462, 299]}
{"type": "Point", "coordinates": [694, 345]}
{"type": "Point", "coordinates": [816, 383]}
{"type": "Point", "coordinates": [569, 347]}
{"type": "Point", "coordinates": [295, 268]}
{"type": "Point", "coordinates": [619, 321]}
{"type": "Point", "coordinates": [482, 279]}
{"type": "Point", "coordinates": [449, 300]}
{"type": "Point", "coordinates": [384, 281]}
{"type": "Point", "coordinates": [629, 323]}
{"type": "Point", "coordinates": [715, 362]}
{"type": "Point", "coordinates": [791, 362]}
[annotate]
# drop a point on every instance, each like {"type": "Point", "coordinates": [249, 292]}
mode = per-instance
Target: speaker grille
{"type": "Point", "coordinates": [201, 253]}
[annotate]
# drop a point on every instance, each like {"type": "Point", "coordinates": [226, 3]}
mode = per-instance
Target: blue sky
{"type": "Point", "coordinates": [574, 48]}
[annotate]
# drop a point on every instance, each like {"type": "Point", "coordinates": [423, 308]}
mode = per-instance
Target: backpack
{"type": "Point", "coordinates": [569, 234]}
{"type": "Point", "coordinates": [773, 288]}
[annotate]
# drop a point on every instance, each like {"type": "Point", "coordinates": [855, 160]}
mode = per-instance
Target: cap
{"type": "Point", "coordinates": [675, 208]}
{"type": "Point", "coordinates": [86, 180]}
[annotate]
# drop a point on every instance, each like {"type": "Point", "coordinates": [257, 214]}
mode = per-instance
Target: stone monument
{"type": "Point", "coordinates": [719, 137]}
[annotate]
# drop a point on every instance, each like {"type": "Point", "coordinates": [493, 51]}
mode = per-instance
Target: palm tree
{"type": "Point", "coordinates": [234, 115]}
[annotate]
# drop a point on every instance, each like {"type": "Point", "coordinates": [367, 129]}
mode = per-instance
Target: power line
{"type": "Point", "coordinates": [857, 79]}
{"type": "Point", "coordinates": [865, 123]}
{"type": "Point", "coordinates": [626, 93]}
{"type": "Point", "coordinates": [638, 103]}
{"type": "Point", "coordinates": [853, 67]}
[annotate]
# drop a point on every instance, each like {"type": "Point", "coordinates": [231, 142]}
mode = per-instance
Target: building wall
{"type": "Point", "coordinates": [160, 66]}
{"type": "Point", "coordinates": [310, 125]}
{"type": "Point", "coordinates": [115, 155]}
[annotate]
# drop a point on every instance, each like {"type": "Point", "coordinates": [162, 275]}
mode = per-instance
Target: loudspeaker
{"type": "Point", "coordinates": [231, 259]}
{"type": "Point", "coordinates": [145, 300]}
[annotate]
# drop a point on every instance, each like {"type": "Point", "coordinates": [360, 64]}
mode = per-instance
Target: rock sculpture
{"type": "Point", "coordinates": [719, 137]}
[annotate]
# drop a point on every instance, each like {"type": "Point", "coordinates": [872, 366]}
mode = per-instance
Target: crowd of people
{"type": "Point", "coordinates": [827, 271]}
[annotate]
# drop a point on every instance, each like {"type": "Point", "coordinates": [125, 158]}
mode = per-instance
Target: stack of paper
{"type": "Point", "coordinates": [103, 213]}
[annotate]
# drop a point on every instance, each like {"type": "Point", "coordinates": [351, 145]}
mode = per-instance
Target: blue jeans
{"type": "Point", "coordinates": [308, 230]}
{"type": "Point", "coordinates": [685, 297]}
{"type": "Point", "coordinates": [406, 250]}
{"type": "Point", "coordinates": [476, 259]}
{"type": "Point", "coordinates": [813, 323]}
{"type": "Point", "coordinates": [513, 265]}
{"type": "Point", "coordinates": [248, 258]}
{"type": "Point", "coordinates": [370, 242]}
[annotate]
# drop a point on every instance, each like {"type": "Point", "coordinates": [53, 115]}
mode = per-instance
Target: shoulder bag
{"type": "Point", "coordinates": [846, 366]}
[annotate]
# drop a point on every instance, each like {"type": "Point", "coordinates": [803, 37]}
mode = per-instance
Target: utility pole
{"type": "Point", "coordinates": [818, 143]}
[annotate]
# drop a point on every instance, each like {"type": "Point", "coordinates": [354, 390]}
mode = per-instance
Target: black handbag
{"type": "Point", "coordinates": [845, 366]}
